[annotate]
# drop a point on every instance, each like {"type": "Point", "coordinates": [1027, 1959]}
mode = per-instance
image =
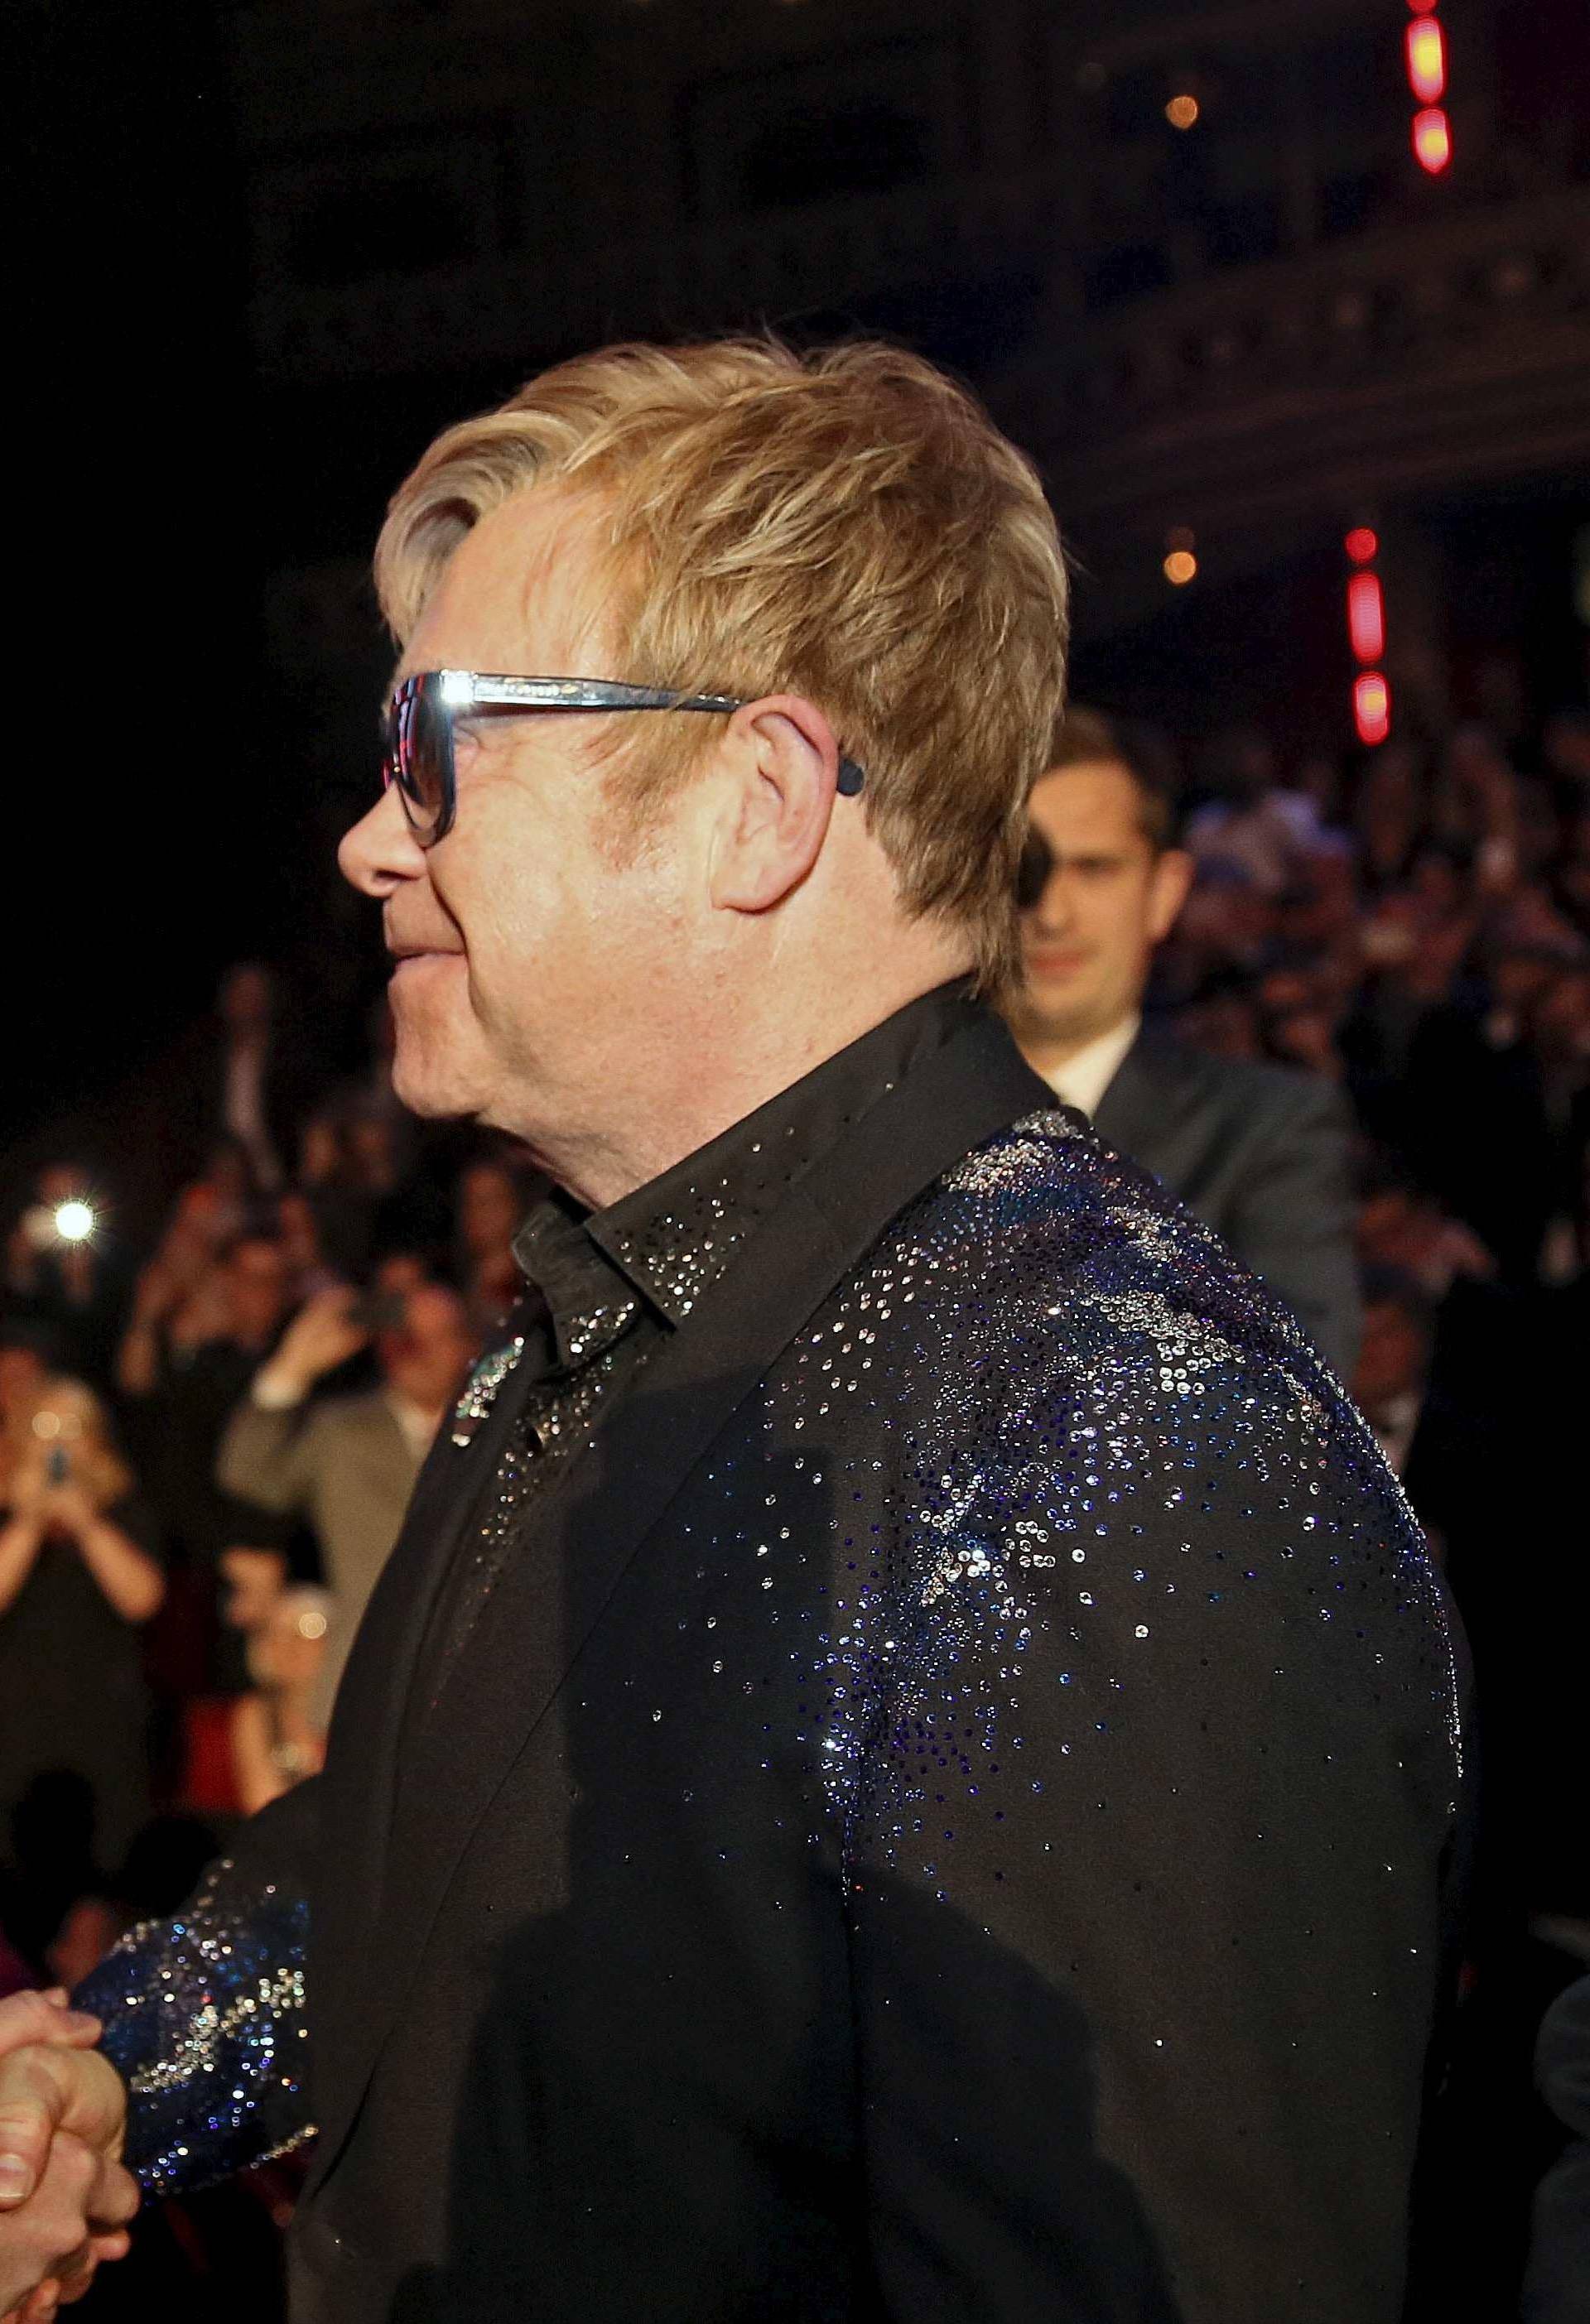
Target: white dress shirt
{"type": "Point", "coordinates": [1083, 1079]}
{"type": "Point", "coordinates": [418, 1427]}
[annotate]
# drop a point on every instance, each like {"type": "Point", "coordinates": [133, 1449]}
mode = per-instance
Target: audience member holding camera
{"type": "Point", "coordinates": [78, 1575]}
{"type": "Point", "coordinates": [63, 1271]}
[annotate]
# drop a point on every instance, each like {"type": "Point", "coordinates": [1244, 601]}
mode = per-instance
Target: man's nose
{"type": "Point", "coordinates": [380, 852]}
{"type": "Point", "coordinates": [1053, 914]}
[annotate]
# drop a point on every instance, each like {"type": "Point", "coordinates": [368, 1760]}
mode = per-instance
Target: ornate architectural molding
{"type": "Point", "coordinates": [1451, 352]}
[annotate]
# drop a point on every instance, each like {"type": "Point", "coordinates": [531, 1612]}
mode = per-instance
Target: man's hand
{"type": "Point", "coordinates": [64, 2198]}
{"type": "Point", "coordinates": [27, 2019]}
{"type": "Point", "coordinates": [324, 1334]}
{"type": "Point", "coordinates": [75, 2218]}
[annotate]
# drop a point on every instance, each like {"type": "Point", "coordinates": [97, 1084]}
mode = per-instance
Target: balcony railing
{"type": "Point", "coordinates": [1277, 379]}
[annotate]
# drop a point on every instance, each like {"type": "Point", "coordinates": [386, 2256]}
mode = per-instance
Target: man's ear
{"type": "Point", "coordinates": [1172, 880]}
{"type": "Point", "coordinates": [781, 761]}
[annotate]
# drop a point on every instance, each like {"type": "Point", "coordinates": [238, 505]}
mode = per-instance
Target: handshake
{"type": "Point", "coordinates": [65, 2199]}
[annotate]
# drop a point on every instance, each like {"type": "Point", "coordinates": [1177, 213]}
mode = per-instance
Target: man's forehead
{"type": "Point", "coordinates": [1093, 802]}
{"type": "Point", "coordinates": [522, 593]}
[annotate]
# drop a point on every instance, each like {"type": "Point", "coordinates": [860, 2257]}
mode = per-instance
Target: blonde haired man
{"type": "Point", "coordinates": [898, 1768]}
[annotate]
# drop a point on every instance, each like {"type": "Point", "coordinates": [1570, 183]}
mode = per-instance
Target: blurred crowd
{"type": "Point", "coordinates": [208, 1430]}
{"type": "Point", "coordinates": [1417, 931]}
{"type": "Point", "coordinates": [207, 1438]}
{"type": "Point", "coordinates": [1420, 935]}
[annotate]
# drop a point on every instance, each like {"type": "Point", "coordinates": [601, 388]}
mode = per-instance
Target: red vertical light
{"type": "Point", "coordinates": [1366, 619]}
{"type": "Point", "coordinates": [1425, 46]}
{"type": "Point", "coordinates": [1371, 707]}
{"type": "Point", "coordinates": [1432, 138]}
{"type": "Point", "coordinates": [1366, 631]}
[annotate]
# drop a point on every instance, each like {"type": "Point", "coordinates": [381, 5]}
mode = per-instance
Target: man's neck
{"type": "Point", "coordinates": [720, 1078]}
{"type": "Point", "coordinates": [419, 1407]}
{"type": "Point", "coordinates": [1050, 1052]}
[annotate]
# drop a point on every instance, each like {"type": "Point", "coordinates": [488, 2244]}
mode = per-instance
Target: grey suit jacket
{"type": "Point", "coordinates": [345, 1467]}
{"type": "Point", "coordinates": [1261, 1155]}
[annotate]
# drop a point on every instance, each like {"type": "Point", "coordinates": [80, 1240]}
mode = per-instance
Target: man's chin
{"type": "Point", "coordinates": [433, 1040]}
{"type": "Point", "coordinates": [1056, 1014]}
{"type": "Point", "coordinates": [426, 1086]}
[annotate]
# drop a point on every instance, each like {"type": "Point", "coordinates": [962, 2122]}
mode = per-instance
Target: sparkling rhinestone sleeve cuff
{"type": "Point", "coordinates": [204, 2020]}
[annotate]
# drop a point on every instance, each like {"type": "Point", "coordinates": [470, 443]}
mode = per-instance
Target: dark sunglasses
{"type": "Point", "coordinates": [418, 729]}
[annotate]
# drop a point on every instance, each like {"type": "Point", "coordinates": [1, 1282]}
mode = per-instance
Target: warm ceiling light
{"type": "Point", "coordinates": [1432, 138]}
{"type": "Point", "coordinates": [1360, 544]}
{"type": "Point", "coordinates": [1371, 707]}
{"type": "Point", "coordinates": [1182, 112]}
{"type": "Point", "coordinates": [1425, 49]}
{"type": "Point", "coordinates": [1179, 568]}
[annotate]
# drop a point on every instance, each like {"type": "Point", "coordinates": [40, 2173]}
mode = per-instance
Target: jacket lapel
{"type": "Point", "coordinates": [358, 1787]}
{"type": "Point", "coordinates": [1142, 1113]}
{"type": "Point", "coordinates": [522, 1646]}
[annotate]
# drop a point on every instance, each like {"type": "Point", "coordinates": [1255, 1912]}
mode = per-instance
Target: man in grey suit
{"type": "Point", "coordinates": [348, 1464]}
{"type": "Point", "coordinates": [1259, 1152]}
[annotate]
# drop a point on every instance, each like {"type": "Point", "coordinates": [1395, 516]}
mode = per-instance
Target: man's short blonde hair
{"type": "Point", "coordinates": [847, 525]}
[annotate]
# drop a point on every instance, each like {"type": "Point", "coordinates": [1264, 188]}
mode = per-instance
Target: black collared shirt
{"type": "Point", "coordinates": [608, 1286]}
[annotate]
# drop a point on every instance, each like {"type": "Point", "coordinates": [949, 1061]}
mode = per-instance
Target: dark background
{"type": "Point", "coordinates": [141, 849]}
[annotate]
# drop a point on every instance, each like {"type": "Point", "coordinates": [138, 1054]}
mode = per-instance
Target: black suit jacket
{"type": "Point", "coordinates": [942, 1820]}
{"type": "Point", "coordinates": [1262, 1155]}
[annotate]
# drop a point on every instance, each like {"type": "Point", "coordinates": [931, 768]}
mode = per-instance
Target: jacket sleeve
{"type": "Point", "coordinates": [1291, 1216]}
{"type": "Point", "coordinates": [1153, 1749]}
{"type": "Point", "coordinates": [205, 2014]}
{"type": "Point", "coordinates": [269, 1458]}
